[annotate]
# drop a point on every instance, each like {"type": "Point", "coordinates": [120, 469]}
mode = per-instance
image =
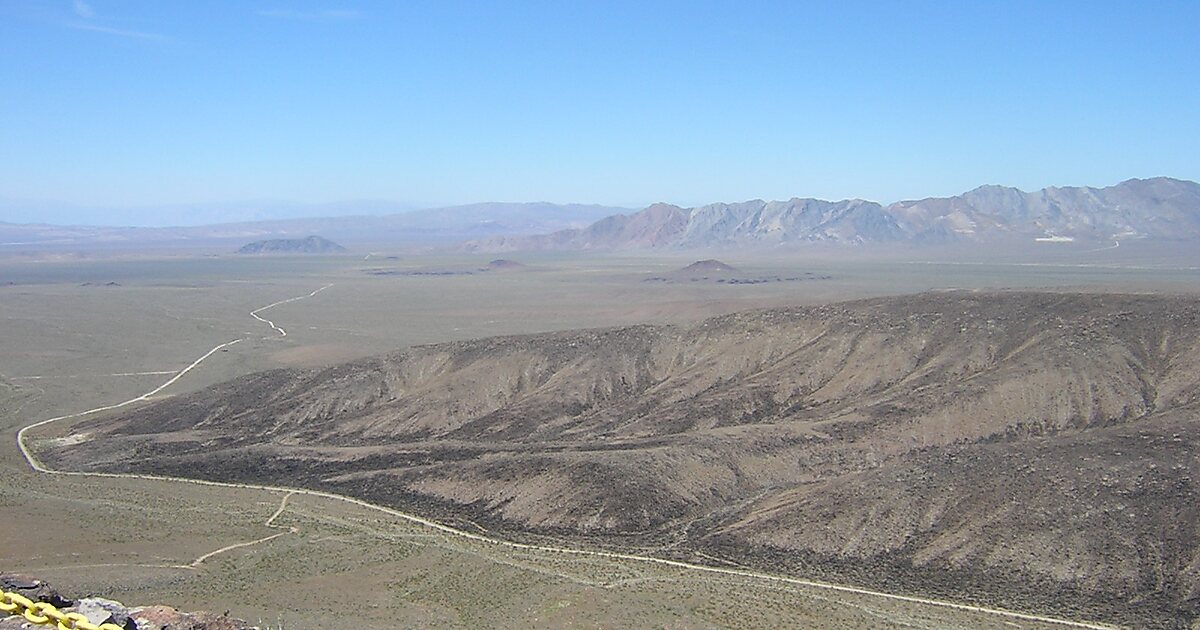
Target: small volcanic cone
{"type": "Point", "coordinates": [707, 268]}
{"type": "Point", "coordinates": [503, 264]}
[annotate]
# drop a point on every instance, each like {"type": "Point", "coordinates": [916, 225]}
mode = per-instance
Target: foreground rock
{"type": "Point", "coordinates": [101, 611]}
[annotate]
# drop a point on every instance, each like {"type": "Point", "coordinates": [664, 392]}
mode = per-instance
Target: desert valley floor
{"type": "Point", "coordinates": [80, 334]}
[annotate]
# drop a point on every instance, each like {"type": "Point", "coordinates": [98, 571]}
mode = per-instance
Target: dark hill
{"type": "Point", "coordinates": [707, 267]}
{"type": "Point", "coordinates": [502, 264]}
{"type": "Point", "coordinates": [1037, 451]}
{"type": "Point", "coordinates": [310, 245]}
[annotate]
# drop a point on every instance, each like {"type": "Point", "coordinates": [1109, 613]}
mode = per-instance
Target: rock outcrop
{"type": "Point", "coordinates": [100, 611]}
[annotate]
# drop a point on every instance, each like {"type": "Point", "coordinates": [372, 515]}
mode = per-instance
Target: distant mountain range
{"type": "Point", "coordinates": [438, 226]}
{"type": "Point", "coordinates": [1159, 208]}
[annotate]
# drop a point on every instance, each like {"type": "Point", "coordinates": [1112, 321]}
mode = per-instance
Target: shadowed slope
{"type": "Point", "coordinates": [1032, 448]}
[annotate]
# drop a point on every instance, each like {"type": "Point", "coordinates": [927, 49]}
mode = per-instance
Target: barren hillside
{"type": "Point", "coordinates": [1033, 450]}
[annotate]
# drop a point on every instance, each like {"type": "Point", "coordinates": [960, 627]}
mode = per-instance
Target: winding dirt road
{"type": "Point", "coordinates": [270, 523]}
{"type": "Point", "coordinates": [37, 466]}
{"type": "Point", "coordinates": [282, 332]}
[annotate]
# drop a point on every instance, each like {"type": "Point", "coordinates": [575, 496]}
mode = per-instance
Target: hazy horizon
{"type": "Point", "coordinates": [16, 211]}
{"type": "Point", "coordinates": [135, 104]}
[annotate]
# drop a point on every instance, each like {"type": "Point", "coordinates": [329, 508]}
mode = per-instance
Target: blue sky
{"type": "Point", "coordinates": [115, 103]}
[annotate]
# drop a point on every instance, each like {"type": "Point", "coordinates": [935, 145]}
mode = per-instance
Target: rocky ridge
{"type": "Point", "coordinates": [1032, 450]}
{"type": "Point", "coordinates": [1158, 208]}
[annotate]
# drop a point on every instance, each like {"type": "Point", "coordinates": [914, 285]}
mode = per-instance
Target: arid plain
{"type": "Point", "coordinates": [82, 333]}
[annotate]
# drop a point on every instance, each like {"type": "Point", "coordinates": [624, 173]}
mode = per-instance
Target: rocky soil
{"type": "Point", "coordinates": [1029, 450]}
{"type": "Point", "coordinates": [102, 611]}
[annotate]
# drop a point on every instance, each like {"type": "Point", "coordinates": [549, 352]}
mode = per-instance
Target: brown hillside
{"type": "Point", "coordinates": [1033, 450]}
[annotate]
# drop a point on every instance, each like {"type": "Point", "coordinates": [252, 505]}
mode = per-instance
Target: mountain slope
{"type": "Point", "coordinates": [1034, 450]}
{"type": "Point", "coordinates": [1153, 208]}
{"type": "Point", "coordinates": [1159, 208]}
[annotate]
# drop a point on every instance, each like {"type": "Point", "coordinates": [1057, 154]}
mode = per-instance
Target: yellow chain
{"type": "Point", "coordinates": [44, 614]}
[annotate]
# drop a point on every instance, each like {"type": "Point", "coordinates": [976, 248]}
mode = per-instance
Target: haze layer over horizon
{"type": "Point", "coordinates": [142, 104]}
